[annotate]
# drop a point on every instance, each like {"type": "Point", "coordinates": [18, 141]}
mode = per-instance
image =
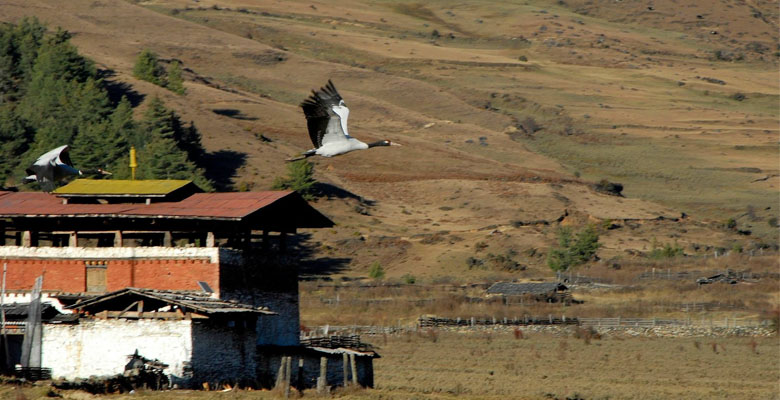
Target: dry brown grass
{"type": "Point", "coordinates": [498, 366]}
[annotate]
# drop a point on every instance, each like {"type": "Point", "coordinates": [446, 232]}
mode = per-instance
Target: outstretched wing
{"type": "Point", "coordinates": [64, 156]}
{"type": "Point", "coordinates": [49, 167]}
{"type": "Point", "coordinates": [324, 125]}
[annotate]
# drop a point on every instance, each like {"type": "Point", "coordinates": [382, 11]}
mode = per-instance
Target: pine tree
{"type": "Point", "coordinates": [175, 80]}
{"type": "Point", "coordinates": [29, 37]}
{"type": "Point", "coordinates": [147, 67]}
{"type": "Point", "coordinates": [162, 156]}
{"type": "Point", "coordinates": [573, 251]}
{"type": "Point", "coordinates": [190, 141]}
{"type": "Point", "coordinates": [14, 139]}
{"type": "Point", "coordinates": [300, 178]}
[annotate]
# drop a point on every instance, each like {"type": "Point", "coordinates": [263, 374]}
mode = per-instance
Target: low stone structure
{"type": "Point", "coordinates": [202, 339]}
{"type": "Point", "coordinates": [511, 292]}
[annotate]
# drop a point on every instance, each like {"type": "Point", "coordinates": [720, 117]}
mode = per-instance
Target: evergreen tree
{"type": "Point", "coordinates": [190, 141]}
{"type": "Point", "coordinates": [14, 138]}
{"type": "Point", "coordinates": [29, 37]}
{"type": "Point", "coordinates": [300, 178]}
{"type": "Point", "coordinates": [573, 251]}
{"type": "Point", "coordinates": [147, 67]}
{"type": "Point", "coordinates": [162, 156]}
{"type": "Point", "coordinates": [175, 80]}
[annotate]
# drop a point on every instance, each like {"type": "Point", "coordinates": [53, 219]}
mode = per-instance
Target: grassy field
{"type": "Point", "coordinates": [499, 365]}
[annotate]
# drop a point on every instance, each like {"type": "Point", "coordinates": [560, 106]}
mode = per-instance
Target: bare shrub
{"type": "Point", "coordinates": [518, 333]}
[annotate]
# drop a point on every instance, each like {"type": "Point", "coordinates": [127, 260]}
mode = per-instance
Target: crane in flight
{"type": "Point", "coordinates": [326, 118]}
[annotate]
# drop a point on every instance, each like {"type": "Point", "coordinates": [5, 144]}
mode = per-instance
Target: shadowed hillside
{"type": "Point", "coordinates": [508, 113]}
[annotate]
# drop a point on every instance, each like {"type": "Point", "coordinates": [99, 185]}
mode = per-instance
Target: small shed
{"type": "Point", "coordinates": [550, 292]}
{"type": "Point", "coordinates": [200, 338]}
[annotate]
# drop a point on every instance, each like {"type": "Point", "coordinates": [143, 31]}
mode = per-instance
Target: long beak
{"type": "Point", "coordinates": [394, 144]}
{"type": "Point", "coordinates": [104, 172]}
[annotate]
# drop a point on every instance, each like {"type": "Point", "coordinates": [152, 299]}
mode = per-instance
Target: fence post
{"type": "Point", "coordinates": [322, 380]}
{"type": "Point", "coordinates": [653, 321]}
{"type": "Point", "coordinates": [472, 321]}
{"type": "Point", "coordinates": [618, 321]}
{"type": "Point", "coordinates": [287, 377]}
{"type": "Point", "coordinates": [550, 317]}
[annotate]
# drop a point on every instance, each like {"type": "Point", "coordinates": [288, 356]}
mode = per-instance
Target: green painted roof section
{"type": "Point", "coordinates": [116, 187]}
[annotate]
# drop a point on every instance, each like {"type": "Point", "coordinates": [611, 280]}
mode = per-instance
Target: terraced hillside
{"type": "Point", "coordinates": [508, 112]}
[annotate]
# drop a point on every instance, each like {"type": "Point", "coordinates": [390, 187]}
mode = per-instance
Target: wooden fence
{"type": "Point", "coordinates": [432, 321]}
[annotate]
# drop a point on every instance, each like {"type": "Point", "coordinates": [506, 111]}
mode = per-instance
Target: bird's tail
{"type": "Point", "coordinates": [302, 156]}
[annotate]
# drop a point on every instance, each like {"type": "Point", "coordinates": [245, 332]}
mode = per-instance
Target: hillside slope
{"type": "Point", "coordinates": [507, 113]}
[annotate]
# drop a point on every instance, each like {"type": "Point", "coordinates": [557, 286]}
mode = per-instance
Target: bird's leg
{"type": "Point", "coordinates": [306, 154]}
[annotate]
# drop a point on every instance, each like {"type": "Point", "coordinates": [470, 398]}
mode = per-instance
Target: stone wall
{"type": "Point", "coordinates": [196, 352]}
{"type": "Point", "coordinates": [282, 329]}
{"type": "Point", "coordinates": [223, 353]}
{"type": "Point", "coordinates": [100, 347]}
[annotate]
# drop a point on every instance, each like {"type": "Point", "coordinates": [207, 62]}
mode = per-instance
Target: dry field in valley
{"type": "Point", "coordinates": [497, 365]}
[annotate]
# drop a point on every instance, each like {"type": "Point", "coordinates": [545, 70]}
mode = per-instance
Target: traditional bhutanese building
{"type": "Point", "coordinates": [97, 236]}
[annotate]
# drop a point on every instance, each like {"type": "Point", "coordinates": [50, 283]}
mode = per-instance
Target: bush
{"type": "Point", "coordinates": [300, 178]}
{"type": "Point", "coordinates": [573, 251]}
{"type": "Point", "coordinates": [376, 271]}
{"type": "Point", "coordinates": [409, 279]}
{"type": "Point", "coordinates": [607, 187]}
{"type": "Point", "coordinates": [666, 251]}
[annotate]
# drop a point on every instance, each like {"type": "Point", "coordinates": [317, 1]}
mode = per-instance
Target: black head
{"type": "Point", "coordinates": [383, 143]}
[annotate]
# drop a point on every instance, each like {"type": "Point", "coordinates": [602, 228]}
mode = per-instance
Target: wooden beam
{"type": "Point", "coordinates": [118, 239]}
{"type": "Point", "coordinates": [150, 315]}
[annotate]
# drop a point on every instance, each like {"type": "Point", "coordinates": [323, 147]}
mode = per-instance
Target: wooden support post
{"type": "Point", "coordinates": [167, 239]}
{"type": "Point", "coordinates": [322, 380]}
{"type": "Point", "coordinates": [117, 238]}
{"type": "Point", "coordinates": [345, 368]}
{"type": "Point", "coordinates": [354, 369]}
{"type": "Point", "coordinates": [26, 238]}
{"type": "Point", "coordinates": [73, 239]}
{"type": "Point", "coordinates": [280, 374]}
{"type": "Point", "coordinates": [210, 241]}
{"type": "Point", "coordinates": [287, 376]}
{"type": "Point", "coordinates": [266, 245]}
{"type": "Point", "coordinates": [299, 376]}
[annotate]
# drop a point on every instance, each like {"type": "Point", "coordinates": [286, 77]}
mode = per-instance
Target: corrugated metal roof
{"type": "Point", "coordinates": [116, 187]}
{"type": "Point", "coordinates": [201, 302]}
{"type": "Point", "coordinates": [228, 206]}
{"type": "Point", "coordinates": [509, 288]}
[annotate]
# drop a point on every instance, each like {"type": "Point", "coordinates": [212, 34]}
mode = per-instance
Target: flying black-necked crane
{"type": "Point", "coordinates": [54, 166]}
{"type": "Point", "coordinates": [326, 117]}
